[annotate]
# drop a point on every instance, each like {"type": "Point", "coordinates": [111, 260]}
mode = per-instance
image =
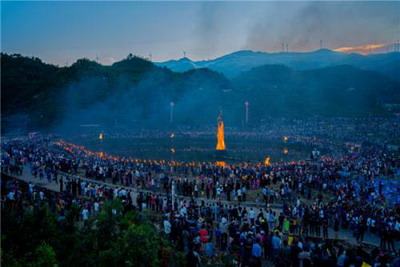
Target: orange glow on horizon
{"type": "Point", "coordinates": [363, 49]}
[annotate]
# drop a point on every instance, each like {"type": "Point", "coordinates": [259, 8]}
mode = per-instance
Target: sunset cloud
{"type": "Point", "coordinates": [363, 49]}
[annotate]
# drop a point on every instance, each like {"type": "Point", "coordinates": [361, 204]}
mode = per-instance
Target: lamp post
{"type": "Point", "coordinates": [246, 104]}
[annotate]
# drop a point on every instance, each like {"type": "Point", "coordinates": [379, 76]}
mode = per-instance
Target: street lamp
{"type": "Point", "coordinates": [246, 104]}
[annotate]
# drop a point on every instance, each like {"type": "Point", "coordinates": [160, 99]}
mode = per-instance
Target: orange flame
{"type": "Point", "coordinates": [267, 161]}
{"type": "Point", "coordinates": [101, 136]}
{"type": "Point", "coordinates": [285, 151]}
{"type": "Point", "coordinates": [220, 134]}
{"type": "Point", "coordinates": [172, 151]}
{"type": "Point", "coordinates": [220, 163]}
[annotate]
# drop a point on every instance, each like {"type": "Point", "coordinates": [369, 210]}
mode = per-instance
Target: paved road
{"type": "Point", "coordinates": [369, 238]}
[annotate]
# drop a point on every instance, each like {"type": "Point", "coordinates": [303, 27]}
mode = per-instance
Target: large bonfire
{"type": "Point", "coordinates": [220, 134]}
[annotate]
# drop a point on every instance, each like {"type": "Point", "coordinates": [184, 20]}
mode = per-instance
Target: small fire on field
{"type": "Point", "coordinates": [220, 163]}
{"type": "Point", "coordinates": [267, 161]}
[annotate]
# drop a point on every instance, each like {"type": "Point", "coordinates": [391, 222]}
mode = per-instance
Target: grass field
{"type": "Point", "coordinates": [196, 149]}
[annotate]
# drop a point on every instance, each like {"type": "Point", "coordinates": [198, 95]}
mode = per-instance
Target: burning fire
{"type": "Point", "coordinates": [220, 163]}
{"type": "Point", "coordinates": [101, 136]}
{"type": "Point", "coordinates": [220, 134]}
{"type": "Point", "coordinates": [285, 151]}
{"type": "Point", "coordinates": [267, 161]}
{"type": "Point", "coordinates": [172, 151]}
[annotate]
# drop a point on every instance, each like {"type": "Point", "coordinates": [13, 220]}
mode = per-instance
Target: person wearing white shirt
{"type": "Point", "coordinates": [397, 226]}
{"type": "Point", "coordinates": [252, 216]}
{"type": "Point", "coordinates": [85, 215]}
{"type": "Point", "coordinates": [96, 208]}
{"type": "Point", "coordinates": [183, 211]}
{"type": "Point", "coordinates": [11, 195]}
{"type": "Point", "coordinates": [219, 190]}
{"type": "Point", "coordinates": [167, 226]}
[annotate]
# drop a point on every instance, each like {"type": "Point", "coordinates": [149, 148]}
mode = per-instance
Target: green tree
{"type": "Point", "coordinates": [140, 245]}
{"type": "Point", "coordinates": [45, 256]}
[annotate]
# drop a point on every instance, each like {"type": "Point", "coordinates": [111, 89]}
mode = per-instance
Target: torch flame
{"type": "Point", "coordinates": [220, 134]}
{"type": "Point", "coordinates": [266, 161]}
{"type": "Point", "coordinates": [172, 151]}
{"type": "Point", "coordinates": [285, 151]}
{"type": "Point", "coordinates": [101, 136]}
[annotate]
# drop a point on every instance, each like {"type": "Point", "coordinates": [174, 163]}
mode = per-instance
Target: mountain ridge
{"type": "Point", "coordinates": [135, 91]}
{"type": "Point", "coordinates": [231, 65]}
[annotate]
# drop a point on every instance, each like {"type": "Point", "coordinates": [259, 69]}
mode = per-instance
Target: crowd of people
{"type": "Point", "coordinates": [204, 231]}
{"type": "Point", "coordinates": [280, 212]}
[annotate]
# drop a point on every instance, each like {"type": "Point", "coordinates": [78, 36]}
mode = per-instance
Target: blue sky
{"type": "Point", "coordinates": [61, 32]}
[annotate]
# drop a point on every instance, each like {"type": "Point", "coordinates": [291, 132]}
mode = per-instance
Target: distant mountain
{"type": "Point", "coordinates": [181, 65]}
{"type": "Point", "coordinates": [233, 64]}
{"type": "Point", "coordinates": [135, 92]}
{"type": "Point", "coordinates": [131, 92]}
{"type": "Point", "coordinates": [340, 90]}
